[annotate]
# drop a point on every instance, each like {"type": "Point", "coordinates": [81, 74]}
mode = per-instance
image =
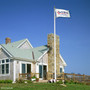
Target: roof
{"type": "Point", "coordinates": [64, 63]}
{"type": "Point", "coordinates": [13, 44]}
{"type": "Point", "coordinates": [24, 53]}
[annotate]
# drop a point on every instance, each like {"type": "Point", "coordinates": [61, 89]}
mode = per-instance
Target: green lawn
{"type": "Point", "coordinates": [42, 86]}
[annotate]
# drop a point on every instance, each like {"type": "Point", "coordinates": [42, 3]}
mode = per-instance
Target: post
{"type": "Point", "coordinates": [54, 43]}
{"type": "Point", "coordinates": [74, 77]}
{"type": "Point", "coordinates": [42, 68]}
{"type": "Point", "coordinates": [83, 77]}
{"type": "Point", "coordinates": [63, 75]}
{"type": "Point", "coordinates": [19, 77]}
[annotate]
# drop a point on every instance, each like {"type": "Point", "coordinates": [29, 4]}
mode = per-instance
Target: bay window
{"type": "Point", "coordinates": [4, 66]}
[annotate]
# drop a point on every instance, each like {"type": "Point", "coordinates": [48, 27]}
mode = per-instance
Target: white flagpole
{"type": "Point", "coordinates": [54, 43]}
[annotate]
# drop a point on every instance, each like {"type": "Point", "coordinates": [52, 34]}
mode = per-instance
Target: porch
{"type": "Point", "coordinates": [60, 76]}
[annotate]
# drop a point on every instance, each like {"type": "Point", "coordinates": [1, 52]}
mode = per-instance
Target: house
{"type": "Point", "coordinates": [21, 57]}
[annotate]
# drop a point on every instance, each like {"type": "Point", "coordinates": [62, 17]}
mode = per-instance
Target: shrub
{"type": "Point", "coordinates": [19, 81]}
{"type": "Point", "coordinates": [33, 77]}
{"type": "Point", "coordinates": [59, 82]}
{"type": "Point", "coordinates": [5, 81]}
{"type": "Point", "coordinates": [87, 83]}
{"type": "Point", "coordinates": [66, 82]}
{"type": "Point", "coordinates": [28, 81]}
{"type": "Point", "coordinates": [71, 82]}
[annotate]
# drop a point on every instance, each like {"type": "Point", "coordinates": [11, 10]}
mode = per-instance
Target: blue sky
{"type": "Point", "coordinates": [34, 19]}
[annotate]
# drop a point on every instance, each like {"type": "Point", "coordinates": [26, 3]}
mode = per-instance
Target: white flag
{"type": "Point", "coordinates": [62, 13]}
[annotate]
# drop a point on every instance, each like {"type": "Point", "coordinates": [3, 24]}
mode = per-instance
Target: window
{"type": "Point", "coordinates": [7, 68]}
{"type": "Point", "coordinates": [7, 60]}
{"type": "Point", "coordinates": [61, 70]}
{"type": "Point", "coordinates": [23, 68]}
{"type": "Point", "coordinates": [4, 66]}
{"type": "Point", "coordinates": [3, 69]}
{"type": "Point", "coordinates": [3, 61]}
{"type": "Point", "coordinates": [40, 71]}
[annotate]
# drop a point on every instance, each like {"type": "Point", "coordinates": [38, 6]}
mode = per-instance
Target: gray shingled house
{"type": "Point", "coordinates": [21, 57]}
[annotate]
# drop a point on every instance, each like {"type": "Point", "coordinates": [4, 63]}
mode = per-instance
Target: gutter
{"type": "Point", "coordinates": [23, 59]}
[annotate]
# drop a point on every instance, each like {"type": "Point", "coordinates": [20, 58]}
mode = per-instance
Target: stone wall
{"type": "Point", "coordinates": [51, 54]}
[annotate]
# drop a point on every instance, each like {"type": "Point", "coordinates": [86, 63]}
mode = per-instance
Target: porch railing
{"type": "Point", "coordinates": [28, 76]}
{"type": "Point", "coordinates": [69, 76]}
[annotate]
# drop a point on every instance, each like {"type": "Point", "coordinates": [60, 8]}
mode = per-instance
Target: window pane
{"type": "Point", "coordinates": [60, 70]}
{"type": "Point", "coordinates": [23, 68]}
{"type": "Point", "coordinates": [7, 60]}
{"type": "Point", "coordinates": [3, 61]}
{"type": "Point", "coordinates": [0, 68]}
{"type": "Point", "coordinates": [7, 68]}
{"type": "Point", "coordinates": [3, 69]}
{"type": "Point", "coordinates": [40, 71]}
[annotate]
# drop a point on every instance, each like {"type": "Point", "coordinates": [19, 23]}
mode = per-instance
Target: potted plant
{"type": "Point", "coordinates": [37, 79]}
{"type": "Point", "coordinates": [33, 78]}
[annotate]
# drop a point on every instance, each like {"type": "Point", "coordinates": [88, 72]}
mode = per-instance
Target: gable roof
{"type": "Point", "coordinates": [16, 43]}
{"type": "Point", "coordinates": [64, 63]}
{"type": "Point", "coordinates": [24, 53]}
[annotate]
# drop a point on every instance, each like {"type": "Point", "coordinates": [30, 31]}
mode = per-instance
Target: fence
{"type": "Point", "coordinates": [28, 76]}
{"type": "Point", "coordinates": [68, 76]}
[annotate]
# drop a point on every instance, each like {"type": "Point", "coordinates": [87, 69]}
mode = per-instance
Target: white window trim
{"type": "Point", "coordinates": [5, 63]}
{"type": "Point", "coordinates": [43, 65]}
{"type": "Point", "coordinates": [14, 69]}
{"type": "Point", "coordinates": [62, 68]}
{"type": "Point", "coordinates": [23, 62]}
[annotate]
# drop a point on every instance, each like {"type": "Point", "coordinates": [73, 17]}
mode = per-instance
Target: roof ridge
{"type": "Point", "coordinates": [14, 42]}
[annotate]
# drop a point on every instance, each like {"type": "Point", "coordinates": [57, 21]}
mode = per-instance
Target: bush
{"type": "Point", "coordinates": [33, 77]}
{"type": "Point", "coordinates": [69, 82]}
{"type": "Point", "coordinates": [66, 82]}
{"type": "Point", "coordinates": [19, 81]}
{"type": "Point", "coordinates": [72, 82]}
{"type": "Point", "coordinates": [5, 81]}
{"type": "Point", "coordinates": [28, 81]}
{"type": "Point", "coordinates": [59, 82]}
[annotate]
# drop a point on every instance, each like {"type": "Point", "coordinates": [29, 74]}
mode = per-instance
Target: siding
{"type": "Point", "coordinates": [45, 59]}
{"type": "Point", "coordinates": [3, 54]}
{"type": "Point", "coordinates": [25, 46]}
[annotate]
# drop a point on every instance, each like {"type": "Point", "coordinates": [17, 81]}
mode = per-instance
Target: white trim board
{"type": "Point", "coordinates": [24, 62]}
{"type": "Point", "coordinates": [6, 51]}
{"type": "Point", "coordinates": [63, 60]}
{"type": "Point", "coordinates": [26, 40]}
{"type": "Point", "coordinates": [42, 55]}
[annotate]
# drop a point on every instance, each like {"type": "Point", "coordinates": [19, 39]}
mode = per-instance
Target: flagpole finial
{"type": "Point", "coordinates": [54, 7]}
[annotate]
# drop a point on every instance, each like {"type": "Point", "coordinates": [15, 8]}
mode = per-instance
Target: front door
{"type": "Point", "coordinates": [43, 73]}
{"type": "Point", "coordinates": [28, 68]}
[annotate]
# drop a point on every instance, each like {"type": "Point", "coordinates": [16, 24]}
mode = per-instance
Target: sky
{"type": "Point", "coordinates": [34, 19]}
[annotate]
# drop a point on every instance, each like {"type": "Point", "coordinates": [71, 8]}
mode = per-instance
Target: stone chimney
{"type": "Point", "coordinates": [51, 54]}
{"type": "Point", "coordinates": [7, 40]}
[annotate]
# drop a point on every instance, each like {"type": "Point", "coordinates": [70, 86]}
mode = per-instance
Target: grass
{"type": "Point", "coordinates": [42, 86]}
